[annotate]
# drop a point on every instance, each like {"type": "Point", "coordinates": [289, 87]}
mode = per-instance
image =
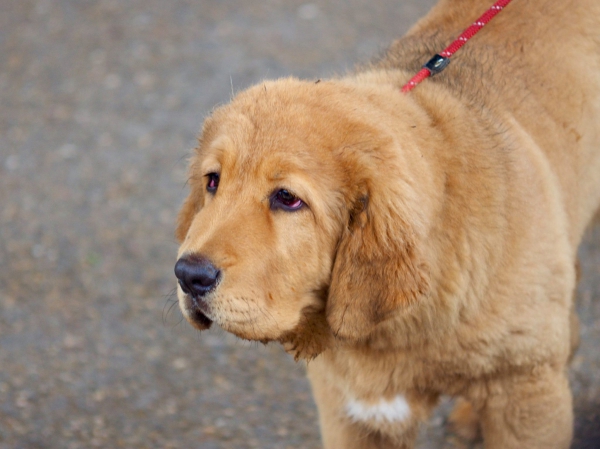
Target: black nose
{"type": "Point", "coordinates": [197, 276]}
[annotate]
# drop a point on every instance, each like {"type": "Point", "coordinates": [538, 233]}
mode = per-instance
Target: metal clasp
{"type": "Point", "coordinates": [436, 64]}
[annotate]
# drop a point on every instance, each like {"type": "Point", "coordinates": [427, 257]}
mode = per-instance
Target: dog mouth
{"type": "Point", "coordinates": [197, 311]}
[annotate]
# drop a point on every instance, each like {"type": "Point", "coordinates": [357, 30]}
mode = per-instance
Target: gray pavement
{"type": "Point", "coordinates": [100, 102]}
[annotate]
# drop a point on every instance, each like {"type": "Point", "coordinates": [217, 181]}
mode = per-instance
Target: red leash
{"type": "Point", "coordinates": [440, 61]}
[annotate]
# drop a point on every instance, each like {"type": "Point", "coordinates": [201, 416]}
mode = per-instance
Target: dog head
{"type": "Point", "coordinates": [302, 222]}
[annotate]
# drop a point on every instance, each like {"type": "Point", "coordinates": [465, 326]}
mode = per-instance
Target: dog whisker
{"type": "Point", "coordinates": [171, 302]}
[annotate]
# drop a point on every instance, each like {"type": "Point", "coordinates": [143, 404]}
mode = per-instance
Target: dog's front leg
{"type": "Point", "coordinates": [349, 423]}
{"type": "Point", "coordinates": [532, 411]}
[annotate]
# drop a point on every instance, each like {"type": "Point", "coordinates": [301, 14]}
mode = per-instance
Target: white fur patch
{"type": "Point", "coordinates": [394, 410]}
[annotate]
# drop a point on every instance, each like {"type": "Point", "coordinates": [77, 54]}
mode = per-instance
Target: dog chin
{"type": "Point", "coordinates": [248, 333]}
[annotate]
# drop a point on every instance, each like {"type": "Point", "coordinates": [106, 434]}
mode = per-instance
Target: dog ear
{"type": "Point", "coordinates": [378, 268]}
{"type": "Point", "coordinates": [185, 217]}
{"type": "Point", "coordinates": [194, 201]}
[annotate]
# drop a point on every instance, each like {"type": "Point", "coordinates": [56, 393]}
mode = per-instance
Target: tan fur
{"type": "Point", "coordinates": [436, 252]}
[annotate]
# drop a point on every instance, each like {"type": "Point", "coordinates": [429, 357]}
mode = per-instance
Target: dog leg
{"type": "Point", "coordinates": [464, 420]}
{"type": "Point", "coordinates": [531, 411]}
{"type": "Point", "coordinates": [356, 436]}
{"type": "Point", "coordinates": [346, 425]}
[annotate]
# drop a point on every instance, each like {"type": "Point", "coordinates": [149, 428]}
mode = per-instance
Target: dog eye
{"type": "Point", "coordinates": [213, 182]}
{"type": "Point", "coordinates": [285, 200]}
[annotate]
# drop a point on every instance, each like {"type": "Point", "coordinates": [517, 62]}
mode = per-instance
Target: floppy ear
{"type": "Point", "coordinates": [185, 217]}
{"type": "Point", "coordinates": [194, 201]}
{"type": "Point", "coordinates": [378, 269]}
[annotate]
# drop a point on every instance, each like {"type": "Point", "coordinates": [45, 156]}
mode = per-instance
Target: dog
{"type": "Point", "coordinates": [411, 245]}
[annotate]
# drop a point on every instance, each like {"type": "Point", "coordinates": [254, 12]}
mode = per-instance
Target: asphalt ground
{"type": "Point", "coordinates": [100, 104]}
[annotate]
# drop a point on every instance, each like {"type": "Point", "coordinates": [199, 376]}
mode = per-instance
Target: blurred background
{"type": "Point", "coordinates": [100, 104]}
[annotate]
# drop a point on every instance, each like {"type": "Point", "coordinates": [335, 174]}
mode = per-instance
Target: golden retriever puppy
{"type": "Point", "coordinates": [414, 244]}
